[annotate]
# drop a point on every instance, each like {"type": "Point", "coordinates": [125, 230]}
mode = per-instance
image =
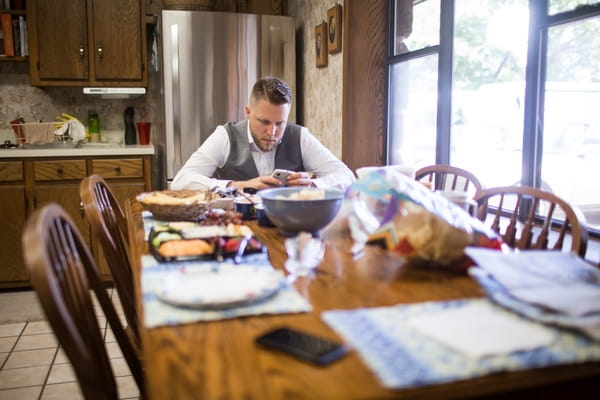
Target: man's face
{"type": "Point", "coordinates": [267, 123]}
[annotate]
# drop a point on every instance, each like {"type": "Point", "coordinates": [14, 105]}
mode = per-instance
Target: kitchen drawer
{"type": "Point", "coordinates": [118, 168]}
{"type": "Point", "coordinates": [59, 170]}
{"type": "Point", "coordinates": [11, 171]}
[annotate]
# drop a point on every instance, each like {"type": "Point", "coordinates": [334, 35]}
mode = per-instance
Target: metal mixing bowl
{"type": "Point", "coordinates": [293, 216]}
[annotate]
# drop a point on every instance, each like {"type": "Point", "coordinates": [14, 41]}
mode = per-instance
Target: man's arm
{"type": "Point", "coordinates": [330, 172]}
{"type": "Point", "coordinates": [198, 170]}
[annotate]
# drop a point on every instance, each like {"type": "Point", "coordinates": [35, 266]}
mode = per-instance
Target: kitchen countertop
{"type": "Point", "coordinates": [89, 149]}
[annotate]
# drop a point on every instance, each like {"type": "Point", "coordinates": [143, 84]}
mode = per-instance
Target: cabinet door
{"type": "Point", "coordinates": [58, 40]}
{"type": "Point", "coordinates": [118, 40]}
{"type": "Point", "coordinates": [67, 196]}
{"type": "Point", "coordinates": [12, 215]}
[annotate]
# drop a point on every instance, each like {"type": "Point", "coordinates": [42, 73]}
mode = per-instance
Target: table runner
{"type": "Point", "coordinates": [402, 357]}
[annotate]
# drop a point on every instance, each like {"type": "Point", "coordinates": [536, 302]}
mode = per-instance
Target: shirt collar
{"type": "Point", "coordinates": [250, 137]}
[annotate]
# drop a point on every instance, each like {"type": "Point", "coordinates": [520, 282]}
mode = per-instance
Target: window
{"type": "Point", "coordinates": [483, 97]}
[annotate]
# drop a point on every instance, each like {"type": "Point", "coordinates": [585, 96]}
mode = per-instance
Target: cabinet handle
{"type": "Point", "coordinates": [59, 171]}
{"type": "Point", "coordinates": [81, 209]}
{"type": "Point", "coordinates": [118, 170]}
{"type": "Point", "coordinates": [81, 51]}
{"type": "Point", "coordinates": [100, 51]}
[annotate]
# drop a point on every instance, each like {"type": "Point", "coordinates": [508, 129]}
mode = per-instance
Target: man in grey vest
{"type": "Point", "coordinates": [245, 153]}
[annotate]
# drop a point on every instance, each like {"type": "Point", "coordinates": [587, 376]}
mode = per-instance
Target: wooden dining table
{"type": "Point", "coordinates": [220, 359]}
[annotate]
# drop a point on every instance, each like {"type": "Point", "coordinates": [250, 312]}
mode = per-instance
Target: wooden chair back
{"type": "Point", "coordinates": [62, 272]}
{"type": "Point", "coordinates": [447, 177]}
{"type": "Point", "coordinates": [107, 220]}
{"type": "Point", "coordinates": [529, 218]}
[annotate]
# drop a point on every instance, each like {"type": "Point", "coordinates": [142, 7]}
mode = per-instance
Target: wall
{"type": "Point", "coordinates": [319, 90]}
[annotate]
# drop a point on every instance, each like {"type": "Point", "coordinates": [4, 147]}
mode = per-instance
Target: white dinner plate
{"type": "Point", "coordinates": [231, 286]}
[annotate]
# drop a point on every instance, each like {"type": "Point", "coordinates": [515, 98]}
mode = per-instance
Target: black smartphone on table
{"type": "Point", "coordinates": [303, 345]}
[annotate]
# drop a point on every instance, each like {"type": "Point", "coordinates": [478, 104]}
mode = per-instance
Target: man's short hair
{"type": "Point", "coordinates": [272, 89]}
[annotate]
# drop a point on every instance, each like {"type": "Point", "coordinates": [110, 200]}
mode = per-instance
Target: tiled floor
{"type": "Point", "coordinates": [33, 366]}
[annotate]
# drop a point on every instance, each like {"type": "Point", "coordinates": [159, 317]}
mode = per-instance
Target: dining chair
{"type": "Point", "coordinates": [63, 274]}
{"type": "Point", "coordinates": [448, 177]}
{"type": "Point", "coordinates": [530, 218]}
{"type": "Point", "coordinates": [108, 223]}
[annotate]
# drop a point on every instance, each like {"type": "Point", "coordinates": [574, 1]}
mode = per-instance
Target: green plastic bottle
{"type": "Point", "coordinates": [93, 126]}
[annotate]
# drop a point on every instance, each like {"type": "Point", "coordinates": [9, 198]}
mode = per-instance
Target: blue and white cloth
{"type": "Point", "coordinates": [401, 356]}
{"type": "Point", "coordinates": [157, 312]}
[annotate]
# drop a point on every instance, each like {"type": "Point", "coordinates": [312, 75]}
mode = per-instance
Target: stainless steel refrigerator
{"type": "Point", "coordinates": [210, 60]}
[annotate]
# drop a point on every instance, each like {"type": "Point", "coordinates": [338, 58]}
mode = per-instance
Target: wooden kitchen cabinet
{"type": "Point", "coordinates": [12, 214]}
{"type": "Point", "coordinates": [27, 184]}
{"type": "Point", "coordinates": [57, 181]}
{"type": "Point", "coordinates": [87, 42]}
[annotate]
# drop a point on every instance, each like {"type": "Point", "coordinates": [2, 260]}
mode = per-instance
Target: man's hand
{"type": "Point", "coordinates": [267, 181]}
{"type": "Point", "coordinates": [258, 183]}
{"type": "Point", "coordinates": [299, 179]}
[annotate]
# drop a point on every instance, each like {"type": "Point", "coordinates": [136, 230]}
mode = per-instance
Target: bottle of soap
{"type": "Point", "coordinates": [130, 137]}
{"type": "Point", "coordinates": [93, 126]}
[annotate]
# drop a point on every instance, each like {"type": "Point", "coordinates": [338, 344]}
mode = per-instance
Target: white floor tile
{"type": "Point", "coordinates": [30, 358]}
{"type": "Point", "coordinates": [26, 393]}
{"type": "Point", "coordinates": [11, 329]}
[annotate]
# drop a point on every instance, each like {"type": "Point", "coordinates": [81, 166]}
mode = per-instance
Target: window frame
{"type": "Point", "coordinates": [535, 78]}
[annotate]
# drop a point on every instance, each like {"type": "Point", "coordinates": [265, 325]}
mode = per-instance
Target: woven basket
{"type": "Point", "coordinates": [194, 5]}
{"type": "Point", "coordinates": [182, 212]}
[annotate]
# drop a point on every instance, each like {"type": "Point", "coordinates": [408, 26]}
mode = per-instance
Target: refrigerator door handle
{"type": "Point", "coordinates": [176, 87]}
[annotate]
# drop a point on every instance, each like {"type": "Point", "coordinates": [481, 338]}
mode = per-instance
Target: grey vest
{"type": "Point", "coordinates": [240, 165]}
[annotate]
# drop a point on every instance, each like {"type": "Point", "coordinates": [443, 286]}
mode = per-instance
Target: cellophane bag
{"type": "Point", "coordinates": [389, 209]}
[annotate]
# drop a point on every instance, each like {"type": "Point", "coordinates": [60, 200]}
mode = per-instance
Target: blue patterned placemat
{"type": "Point", "coordinates": [157, 312]}
{"type": "Point", "coordinates": [402, 357]}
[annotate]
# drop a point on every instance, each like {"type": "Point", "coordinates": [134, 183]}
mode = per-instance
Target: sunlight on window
{"type": "Point", "coordinates": [490, 56]}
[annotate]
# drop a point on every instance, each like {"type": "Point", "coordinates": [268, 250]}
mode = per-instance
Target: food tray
{"type": "Point", "coordinates": [181, 205]}
{"type": "Point", "coordinates": [227, 246]}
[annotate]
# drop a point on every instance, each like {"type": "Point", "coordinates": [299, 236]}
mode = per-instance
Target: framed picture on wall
{"type": "Point", "coordinates": [321, 45]}
{"type": "Point", "coordinates": [334, 29]}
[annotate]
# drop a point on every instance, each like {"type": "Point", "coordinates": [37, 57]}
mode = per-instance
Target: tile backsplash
{"type": "Point", "coordinates": [19, 98]}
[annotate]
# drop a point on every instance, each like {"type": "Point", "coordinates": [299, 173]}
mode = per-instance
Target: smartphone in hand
{"type": "Point", "coordinates": [282, 175]}
{"type": "Point", "coordinates": [304, 346]}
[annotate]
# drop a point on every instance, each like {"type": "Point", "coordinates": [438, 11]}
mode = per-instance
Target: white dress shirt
{"type": "Point", "coordinates": [198, 170]}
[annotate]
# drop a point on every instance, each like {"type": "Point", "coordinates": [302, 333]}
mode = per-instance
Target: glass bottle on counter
{"type": "Point", "coordinates": [93, 126]}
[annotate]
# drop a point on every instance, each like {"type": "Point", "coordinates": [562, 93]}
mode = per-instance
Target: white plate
{"type": "Point", "coordinates": [231, 286]}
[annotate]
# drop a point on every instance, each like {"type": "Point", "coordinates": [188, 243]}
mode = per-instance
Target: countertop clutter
{"type": "Point", "coordinates": [69, 150]}
{"type": "Point", "coordinates": [112, 147]}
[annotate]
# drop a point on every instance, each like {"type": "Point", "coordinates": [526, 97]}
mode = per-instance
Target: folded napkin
{"type": "Point", "coordinates": [547, 286]}
{"type": "Point", "coordinates": [480, 329]}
